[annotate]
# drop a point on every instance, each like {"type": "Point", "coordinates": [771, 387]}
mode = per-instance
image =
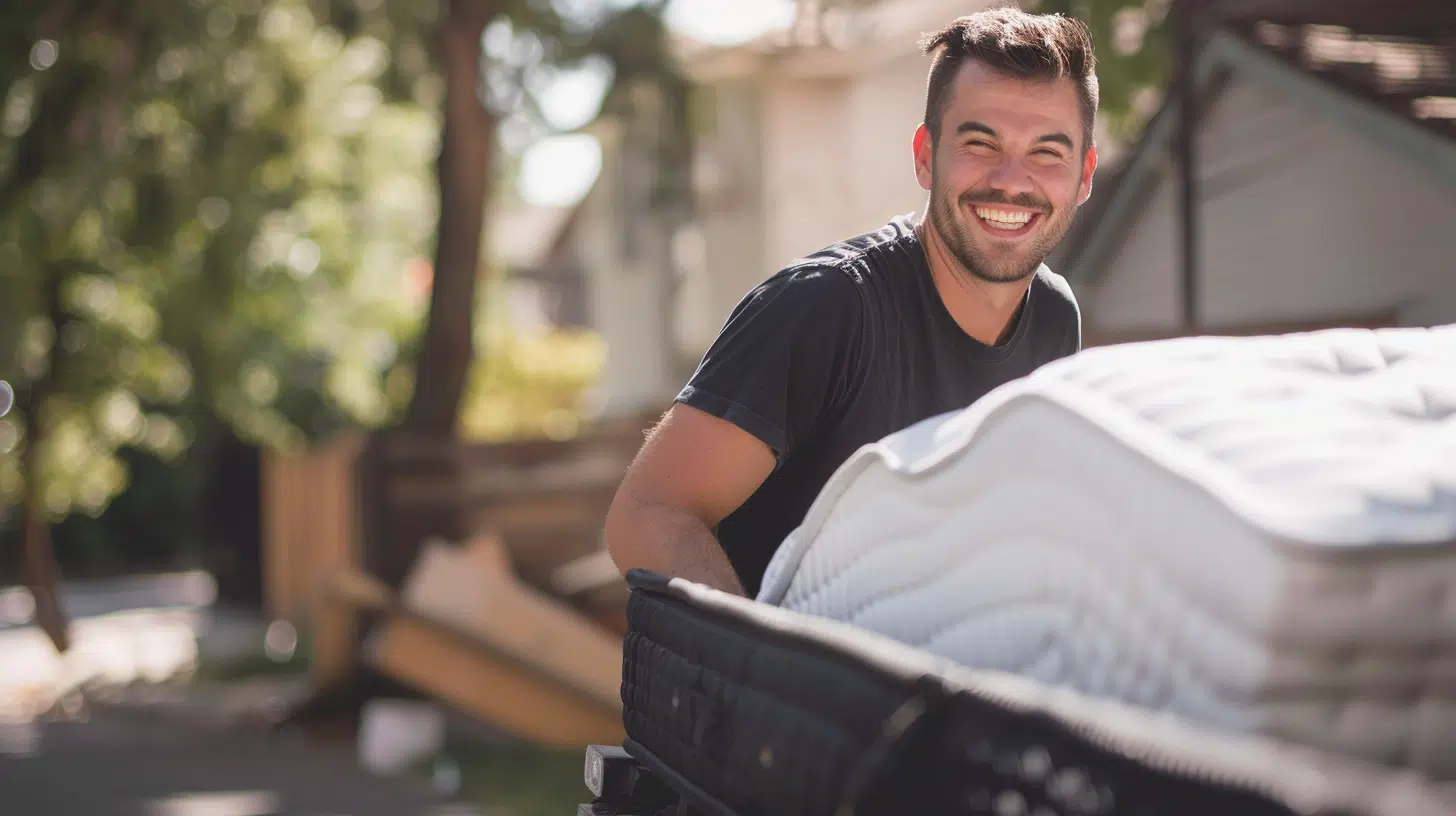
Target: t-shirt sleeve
{"type": "Point", "coordinates": [783, 359]}
{"type": "Point", "coordinates": [1067, 312]}
{"type": "Point", "coordinates": [1076, 332]}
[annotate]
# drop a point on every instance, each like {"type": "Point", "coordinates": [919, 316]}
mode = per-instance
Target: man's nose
{"type": "Point", "coordinates": [1011, 177]}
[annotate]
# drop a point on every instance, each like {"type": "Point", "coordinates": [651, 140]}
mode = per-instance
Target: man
{"type": "Point", "coordinates": [880, 331]}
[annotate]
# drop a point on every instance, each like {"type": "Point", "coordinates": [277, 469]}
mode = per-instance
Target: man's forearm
{"type": "Point", "coordinates": [672, 542]}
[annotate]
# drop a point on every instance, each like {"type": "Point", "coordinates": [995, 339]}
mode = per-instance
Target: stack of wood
{"type": "Point", "coordinates": [544, 500]}
{"type": "Point", "coordinates": [467, 631]}
{"type": "Point", "coordinates": [508, 608]}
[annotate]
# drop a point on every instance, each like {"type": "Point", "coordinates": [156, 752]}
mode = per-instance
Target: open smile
{"type": "Point", "coordinates": [1006, 222]}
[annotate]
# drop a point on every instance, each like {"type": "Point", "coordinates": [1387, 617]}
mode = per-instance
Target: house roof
{"type": "Point", "coordinates": [1402, 59]}
{"type": "Point", "coordinates": [1386, 69]}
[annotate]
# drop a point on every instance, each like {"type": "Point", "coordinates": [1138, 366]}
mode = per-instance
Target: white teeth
{"type": "Point", "coordinates": [1004, 218]}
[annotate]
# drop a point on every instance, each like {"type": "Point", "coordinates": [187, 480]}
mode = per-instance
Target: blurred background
{"type": "Point", "coordinates": [313, 307]}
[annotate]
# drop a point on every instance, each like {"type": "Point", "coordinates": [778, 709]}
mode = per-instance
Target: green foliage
{"type": "Point", "coordinates": [527, 384]}
{"type": "Point", "coordinates": [1133, 41]}
{"type": "Point", "coordinates": [212, 211]}
{"type": "Point", "coordinates": [229, 194]}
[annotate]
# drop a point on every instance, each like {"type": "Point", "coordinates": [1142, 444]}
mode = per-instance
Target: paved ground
{"type": "Point", "coordinates": [133, 745]}
{"type": "Point", "coordinates": [134, 768]}
{"type": "Point", "coordinates": [144, 628]}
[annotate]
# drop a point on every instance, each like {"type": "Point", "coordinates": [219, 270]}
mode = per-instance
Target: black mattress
{"type": "Point", "coordinates": [746, 708]}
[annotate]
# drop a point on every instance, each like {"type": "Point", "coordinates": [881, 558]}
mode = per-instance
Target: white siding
{"type": "Point", "coordinates": [627, 297]}
{"type": "Point", "coordinates": [808, 162]}
{"type": "Point", "coordinates": [886, 106]}
{"type": "Point", "coordinates": [1303, 220]}
{"type": "Point", "coordinates": [731, 219]}
{"type": "Point", "coordinates": [807, 167]}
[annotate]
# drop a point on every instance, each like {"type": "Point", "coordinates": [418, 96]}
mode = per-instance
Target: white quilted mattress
{"type": "Point", "coordinates": [1258, 534]}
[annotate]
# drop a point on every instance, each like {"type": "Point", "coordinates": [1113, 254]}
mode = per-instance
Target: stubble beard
{"type": "Point", "coordinates": [947, 220]}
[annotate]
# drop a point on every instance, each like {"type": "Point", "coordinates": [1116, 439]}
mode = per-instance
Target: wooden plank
{"type": "Point", "coordinates": [499, 486]}
{"type": "Point", "coordinates": [493, 689]}
{"type": "Point", "coordinates": [594, 585]}
{"type": "Point", "coordinates": [548, 512]}
{"type": "Point", "coordinates": [536, 556]}
{"type": "Point", "coordinates": [473, 591]}
{"type": "Point", "coordinates": [584, 473]}
{"type": "Point", "coordinates": [339, 548]}
{"type": "Point", "coordinates": [310, 509]}
{"type": "Point", "coordinates": [587, 574]}
{"type": "Point", "coordinates": [335, 633]}
{"type": "Point", "coordinates": [619, 437]}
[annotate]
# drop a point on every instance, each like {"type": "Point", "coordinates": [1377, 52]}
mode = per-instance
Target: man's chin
{"type": "Point", "coordinates": [1002, 269]}
{"type": "Point", "coordinates": [1004, 276]}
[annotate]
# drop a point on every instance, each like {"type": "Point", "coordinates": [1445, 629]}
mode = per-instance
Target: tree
{"type": "Point", "coordinates": [1134, 58]}
{"type": "Point", "coordinates": [198, 204]}
{"type": "Point", "coordinates": [207, 212]}
{"type": "Point", "coordinates": [527, 35]}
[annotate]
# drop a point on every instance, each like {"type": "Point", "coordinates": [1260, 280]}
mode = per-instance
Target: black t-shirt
{"type": "Point", "coordinates": [842, 348]}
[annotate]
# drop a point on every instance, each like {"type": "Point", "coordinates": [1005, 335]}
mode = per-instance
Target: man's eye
{"type": "Point", "coordinates": [979, 143]}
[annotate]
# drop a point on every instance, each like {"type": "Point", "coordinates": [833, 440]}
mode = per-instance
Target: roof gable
{"type": "Point", "coordinates": [1385, 85]}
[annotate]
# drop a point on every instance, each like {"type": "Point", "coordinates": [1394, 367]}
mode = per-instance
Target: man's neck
{"type": "Point", "coordinates": [984, 310]}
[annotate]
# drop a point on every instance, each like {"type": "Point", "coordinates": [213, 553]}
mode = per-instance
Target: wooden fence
{"type": "Point", "coordinates": [374, 502]}
{"type": "Point", "coordinates": [310, 509]}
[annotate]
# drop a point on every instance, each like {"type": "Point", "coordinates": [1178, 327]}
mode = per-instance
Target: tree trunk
{"type": "Point", "coordinates": [466, 146]}
{"type": "Point", "coordinates": [37, 560]}
{"type": "Point", "coordinates": [38, 565]}
{"type": "Point", "coordinates": [467, 141]}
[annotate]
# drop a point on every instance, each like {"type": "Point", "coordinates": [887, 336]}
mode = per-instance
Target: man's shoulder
{"type": "Point", "coordinates": [895, 235]}
{"type": "Point", "coordinates": [842, 271]}
{"type": "Point", "coordinates": [1057, 294]}
{"type": "Point", "coordinates": [808, 285]}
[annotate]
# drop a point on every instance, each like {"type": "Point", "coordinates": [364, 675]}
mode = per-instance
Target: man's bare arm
{"type": "Point", "coordinates": [693, 471]}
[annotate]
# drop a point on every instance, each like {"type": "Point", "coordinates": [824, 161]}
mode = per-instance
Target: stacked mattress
{"type": "Point", "coordinates": [745, 709]}
{"type": "Point", "coordinates": [1256, 535]}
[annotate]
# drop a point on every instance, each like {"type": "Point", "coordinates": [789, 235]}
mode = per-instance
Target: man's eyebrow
{"type": "Point", "coordinates": [972, 126]}
{"type": "Point", "coordinates": [1058, 138]}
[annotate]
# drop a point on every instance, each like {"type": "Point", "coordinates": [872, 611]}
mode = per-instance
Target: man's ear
{"type": "Point", "coordinates": [924, 150]}
{"type": "Point", "coordinates": [1089, 169]}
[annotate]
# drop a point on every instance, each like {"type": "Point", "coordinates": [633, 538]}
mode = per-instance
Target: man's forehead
{"type": "Point", "coordinates": [980, 92]}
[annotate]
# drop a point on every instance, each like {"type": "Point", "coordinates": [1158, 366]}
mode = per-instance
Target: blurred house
{"type": "Point", "coordinates": [606, 263]}
{"type": "Point", "coordinates": [546, 282]}
{"type": "Point", "coordinates": [799, 138]}
{"type": "Point", "coordinates": [803, 137]}
{"type": "Point", "coordinates": [1325, 169]}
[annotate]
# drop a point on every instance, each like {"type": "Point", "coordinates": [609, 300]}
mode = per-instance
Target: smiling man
{"type": "Point", "coordinates": [879, 331]}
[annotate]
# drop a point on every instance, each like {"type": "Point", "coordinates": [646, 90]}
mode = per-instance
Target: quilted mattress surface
{"type": "Point", "coordinates": [1256, 534]}
{"type": "Point", "coordinates": [747, 708]}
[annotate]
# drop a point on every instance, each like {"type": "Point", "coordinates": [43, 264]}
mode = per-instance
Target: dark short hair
{"type": "Point", "coordinates": [1019, 44]}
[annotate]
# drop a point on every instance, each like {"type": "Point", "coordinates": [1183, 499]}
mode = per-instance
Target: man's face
{"type": "Point", "coordinates": [1007, 172]}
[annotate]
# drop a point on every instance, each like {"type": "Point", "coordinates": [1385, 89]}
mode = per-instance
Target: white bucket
{"type": "Point", "coordinates": [395, 734]}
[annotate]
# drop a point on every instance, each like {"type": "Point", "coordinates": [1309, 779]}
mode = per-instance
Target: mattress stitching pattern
{"type": "Point", "coordinates": [1080, 387]}
{"type": "Point", "coordinates": [1179, 658]}
{"type": "Point", "coordinates": [1196, 677]}
{"type": "Point", "coordinates": [1081, 384]}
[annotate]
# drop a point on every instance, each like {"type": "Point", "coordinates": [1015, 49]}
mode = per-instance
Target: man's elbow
{"type": "Point", "coordinates": [622, 534]}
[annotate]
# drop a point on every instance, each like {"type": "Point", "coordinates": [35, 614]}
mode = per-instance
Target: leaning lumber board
{"type": "Point", "coordinates": [485, 684]}
{"type": "Point", "coordinates": [473, 590]}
